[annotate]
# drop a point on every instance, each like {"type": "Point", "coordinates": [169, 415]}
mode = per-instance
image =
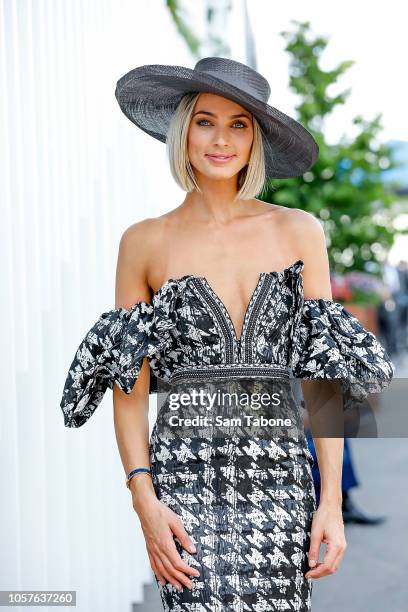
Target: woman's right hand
{"type": "Point", "coordinates": [159, 524]}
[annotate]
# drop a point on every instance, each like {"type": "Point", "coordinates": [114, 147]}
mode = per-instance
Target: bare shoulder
{"type": "Point", "coordinates": [136, 248]}
{"type": "Point", "coordinates": [294, 221]}
{"type": "Point", "coordinates": [307, 233]}
{"type": "Point", "coordinates": [137, 237]}
{"type": "Point", "coordinates": [301, 223]}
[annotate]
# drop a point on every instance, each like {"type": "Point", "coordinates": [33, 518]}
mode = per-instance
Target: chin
{"type": "Point", "coordinates": [220, 175]}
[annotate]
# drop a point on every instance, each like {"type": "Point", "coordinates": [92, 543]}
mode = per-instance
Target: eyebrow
{"type": "Point", "coordinates": [203, 112]}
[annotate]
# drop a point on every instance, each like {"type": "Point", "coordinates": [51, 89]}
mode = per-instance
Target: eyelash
{"type": "Point", "coordinates": [239, 122]}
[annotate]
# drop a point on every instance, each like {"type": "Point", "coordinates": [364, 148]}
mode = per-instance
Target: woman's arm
{"type": "Point", "coordinates": [316, 284]}
{"type": "Point", "coordinates": [131, 420]}
{"type": "Point", "coordinates": [131, 412]}
{"type": "Point", "coordinates": [323, 401]}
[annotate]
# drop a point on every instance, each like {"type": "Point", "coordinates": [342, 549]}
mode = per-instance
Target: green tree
{"type": "Point", "coordinates": [344, 189]}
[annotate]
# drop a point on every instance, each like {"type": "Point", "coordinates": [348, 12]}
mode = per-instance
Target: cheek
{"type": "Point", "coordinates": [244, 141]}
{"type": "Point", "coordinates": [197, 138]}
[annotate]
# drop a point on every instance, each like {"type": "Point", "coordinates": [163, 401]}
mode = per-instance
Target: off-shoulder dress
{"type": "Point", "coordinates": [247, 503]}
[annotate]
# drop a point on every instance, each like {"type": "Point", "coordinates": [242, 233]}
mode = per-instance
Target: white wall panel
{"type": "Point", "coordinates": [74, 174]}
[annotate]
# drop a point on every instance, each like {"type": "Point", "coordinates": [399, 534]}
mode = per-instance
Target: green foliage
{"type": "Point", "coordinates": [363, 298]}
{"type": "Point", "coordinates": [344, 189]}
{"type": "Point", "coordinates": [216, 44]}
{"type": "Point", "coordinates": [179, 17]}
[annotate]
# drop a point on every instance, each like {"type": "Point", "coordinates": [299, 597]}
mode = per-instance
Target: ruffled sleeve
{"type": "Point", "coordinates": [330, 342]}
{"type": "Point", "coordinates": [113, 350]}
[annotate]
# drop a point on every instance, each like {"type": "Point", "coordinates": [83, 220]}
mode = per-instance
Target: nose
{"type": "Point", "coordinates": [221, 135]}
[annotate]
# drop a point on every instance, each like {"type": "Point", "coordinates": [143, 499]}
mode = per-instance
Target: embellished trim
{"type": "Point", "coordinates": [233, 344]}
{"type": "Point", "coordinates": [222, 308]}
{"type": "Point", "coordinates": [240, 350]}
{"type": "Point", "coordinates": [216, 307]}
{"type": "Point", "coordinates": [250, 321]}
{"type": "Point", "coordinates": [228, 371]}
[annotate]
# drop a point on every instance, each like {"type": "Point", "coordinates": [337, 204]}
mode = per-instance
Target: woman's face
{"type": "Point", "coordinates": [219, 127]}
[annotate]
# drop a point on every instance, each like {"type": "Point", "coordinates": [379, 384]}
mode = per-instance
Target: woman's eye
{"type": "Point", "coordinates": [200, 122]}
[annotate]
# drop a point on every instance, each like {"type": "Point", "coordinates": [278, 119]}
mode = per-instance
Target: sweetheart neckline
{"type": "Point", "coordinates": [169, 281]}
{"type": "Point", "coordinates": [204, 278]}
{"type": "Point", "coordinates": [221, 304]}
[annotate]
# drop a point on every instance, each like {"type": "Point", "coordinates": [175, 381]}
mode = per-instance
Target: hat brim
{"type": "Point", "coordinates": [148, 96]}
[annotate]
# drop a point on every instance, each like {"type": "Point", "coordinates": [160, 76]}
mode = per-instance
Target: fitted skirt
{"type": "Point", "coordinates": [245, 494]}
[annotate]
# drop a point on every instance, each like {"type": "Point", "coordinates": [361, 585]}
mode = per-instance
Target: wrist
{"type": "Point", "coordinates": [135, 472]}
{"type": "Point", "coordinates": [141, 484]}
{"type": "Point", "coordinates": [333, 500]}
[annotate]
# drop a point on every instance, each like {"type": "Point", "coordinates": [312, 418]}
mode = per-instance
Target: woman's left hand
{"type": "Point", "coordinates": [327, 527]}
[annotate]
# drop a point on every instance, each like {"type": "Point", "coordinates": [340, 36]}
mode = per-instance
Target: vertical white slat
{"type": "Point", "coordinates": [10, 550]}
{"type": "Point", "coordinates": [31, 413]}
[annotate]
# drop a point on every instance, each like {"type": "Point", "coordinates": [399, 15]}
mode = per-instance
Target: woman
{"type": "Point", "coordinates": [224, 289]}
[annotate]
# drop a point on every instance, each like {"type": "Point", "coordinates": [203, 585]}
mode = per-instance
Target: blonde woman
{"type": "Point", "coordinates": [224, 288]}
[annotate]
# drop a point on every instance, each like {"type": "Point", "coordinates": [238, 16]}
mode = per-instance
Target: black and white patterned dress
{"type": "Point", "coordinates": [246, 502]}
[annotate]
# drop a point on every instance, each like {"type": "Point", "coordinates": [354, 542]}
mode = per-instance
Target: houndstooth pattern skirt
{"type": "Point", "coordinates": [247, 504]}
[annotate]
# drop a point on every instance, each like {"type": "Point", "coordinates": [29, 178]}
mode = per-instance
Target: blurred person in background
{"type": "Point", "coordinates": [388, 314]}
{"type": "Point", "coordinates": [402, 304]}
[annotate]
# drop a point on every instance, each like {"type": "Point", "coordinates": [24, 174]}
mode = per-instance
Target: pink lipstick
{"type": "Point", "coordinates": [220, 158]}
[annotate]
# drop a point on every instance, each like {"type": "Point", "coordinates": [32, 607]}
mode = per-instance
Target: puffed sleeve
{"type": "Point", "coordinates": [111, 352]}
{"type": "Point", "coordinates": [330, 342]}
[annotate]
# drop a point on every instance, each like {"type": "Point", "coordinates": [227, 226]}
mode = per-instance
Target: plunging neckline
{"type": "Point", "coordinates": [225, 318]}
{"type": "Point", "coordinates": [225, 310]}
{"type": "Point", "coordinates": [235, 347]}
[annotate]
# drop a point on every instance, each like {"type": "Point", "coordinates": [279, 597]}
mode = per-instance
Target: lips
{"type": "Point", "coordinates": [219, 157]}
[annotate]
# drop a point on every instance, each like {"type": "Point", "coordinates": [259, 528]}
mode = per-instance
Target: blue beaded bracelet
{"type": "Point", "coordinates": [136, 471]}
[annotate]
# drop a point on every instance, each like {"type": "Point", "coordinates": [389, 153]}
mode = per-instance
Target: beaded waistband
{"type": "Point", "coordinates": [228, 371]}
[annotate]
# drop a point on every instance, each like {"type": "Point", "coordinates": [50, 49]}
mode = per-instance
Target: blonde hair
{"type": "Point", "coordinates": [251, 180]}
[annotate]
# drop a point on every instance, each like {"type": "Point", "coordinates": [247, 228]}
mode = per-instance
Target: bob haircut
{"type": "Point", "coordinates": [251, 179]}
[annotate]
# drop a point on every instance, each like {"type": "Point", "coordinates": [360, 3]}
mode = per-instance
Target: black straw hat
{"type": "Point", "coordinates": [148, 95]}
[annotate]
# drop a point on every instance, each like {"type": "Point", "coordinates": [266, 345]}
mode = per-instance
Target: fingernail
{"type": "Point", "coordinates": [312, 562]}
{"type": "Point", "coordinates": [192, 548]}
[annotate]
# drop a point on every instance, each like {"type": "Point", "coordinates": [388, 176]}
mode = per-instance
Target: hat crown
{"type": "Point", "coordinates": [237, 74]}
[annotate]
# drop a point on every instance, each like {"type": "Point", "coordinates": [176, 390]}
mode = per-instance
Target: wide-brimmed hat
{"type": "Point", "coordinates": [148, 95]}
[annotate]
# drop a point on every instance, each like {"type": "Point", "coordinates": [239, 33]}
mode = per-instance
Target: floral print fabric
{"type": "Point", "coordinates": [187, 327]}
{"type": "Point", "coordinates": [331, 343]}
{"type": "Point", "coordinates": [111, 352]}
